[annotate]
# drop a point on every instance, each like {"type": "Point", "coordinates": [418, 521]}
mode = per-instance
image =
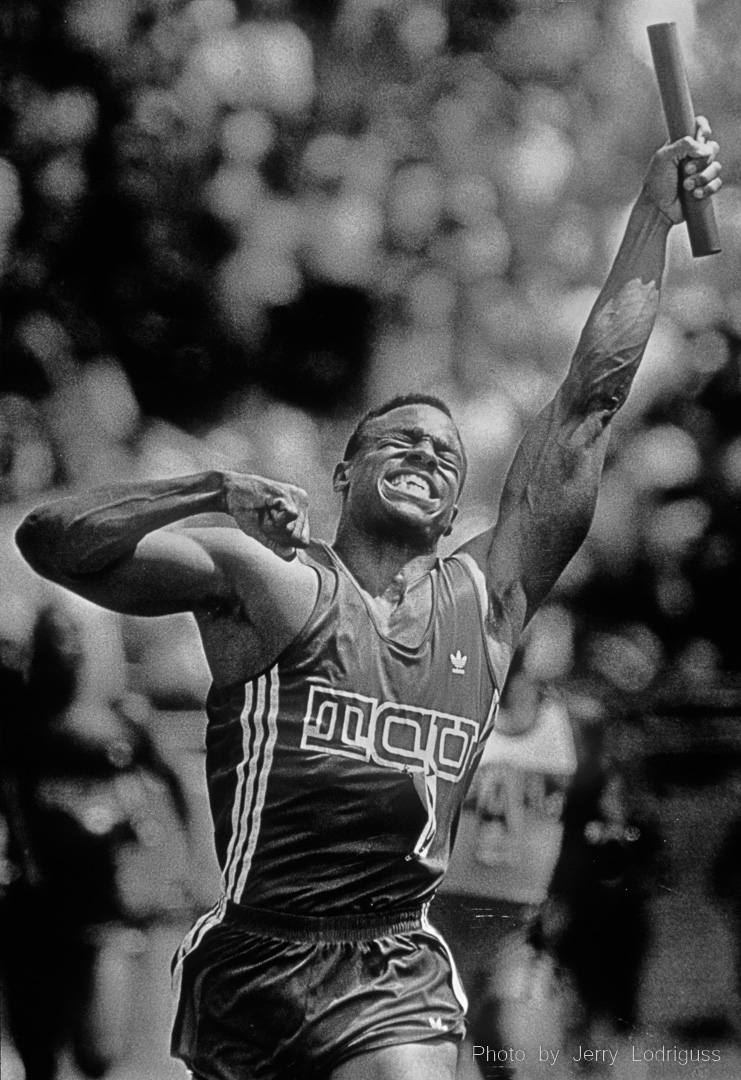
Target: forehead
{"type": "Point", "coordinates": [425, 419]}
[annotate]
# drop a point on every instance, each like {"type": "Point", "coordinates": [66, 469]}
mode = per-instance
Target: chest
{"type": "Point", "coordinates": [402, 621]}
{"type": "Point", "coordinates": [355, 693]}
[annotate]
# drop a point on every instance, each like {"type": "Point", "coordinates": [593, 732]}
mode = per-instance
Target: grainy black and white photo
{"type": "Point", "coordinates": [370, 539]}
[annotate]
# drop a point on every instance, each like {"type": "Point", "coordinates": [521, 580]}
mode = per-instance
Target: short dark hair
{"type": "Point", "coordinates": [397, 402]}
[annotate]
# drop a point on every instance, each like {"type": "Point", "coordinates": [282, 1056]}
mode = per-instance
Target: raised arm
{"type": "Point", "coordinates": [550, 492]}
{"type": "Point", "coordinates": [116, 547]}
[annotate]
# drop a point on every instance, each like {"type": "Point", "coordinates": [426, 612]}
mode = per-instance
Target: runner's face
{"type": "Point", "coordinates": [409, 470]}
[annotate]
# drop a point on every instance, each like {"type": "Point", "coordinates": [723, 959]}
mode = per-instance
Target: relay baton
{"type": "Point", "coordinates": [680, 121]}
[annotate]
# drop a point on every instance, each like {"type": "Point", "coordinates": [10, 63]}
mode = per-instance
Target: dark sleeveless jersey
{"type": "Point", "coordinates": [336, 777]}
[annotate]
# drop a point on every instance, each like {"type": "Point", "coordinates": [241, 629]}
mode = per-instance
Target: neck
{"type": "Point", "coordinates": [383, 566]}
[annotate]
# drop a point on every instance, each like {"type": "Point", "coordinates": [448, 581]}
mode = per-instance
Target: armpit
{"type": "Point", "coordinates": [220, 608]}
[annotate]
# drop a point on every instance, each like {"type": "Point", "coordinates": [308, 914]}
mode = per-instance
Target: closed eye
{"type": "Point", "coordinates": [449, 457]}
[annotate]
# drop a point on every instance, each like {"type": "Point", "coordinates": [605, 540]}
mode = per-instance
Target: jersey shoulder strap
{"type": "Point", "coordinates": [498, 653]}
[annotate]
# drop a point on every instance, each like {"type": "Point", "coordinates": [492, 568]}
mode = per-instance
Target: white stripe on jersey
{"type": "Point", "coordinates": [458, 990]}
{"type": "Point", "coordinates": [239, 791]}
{"type": "Point", "coordinates": [252, 737]}
{"type": "Point", "coordinates": [491, 718]}
{"type": "Point", "coordinates": [262, 781]}
{"type": "Point", "coordinates": [243, 833]}
{"type": "Point", "coordinates": [429, 832]}
{"type": "Point", "coordinates": [192, 940]}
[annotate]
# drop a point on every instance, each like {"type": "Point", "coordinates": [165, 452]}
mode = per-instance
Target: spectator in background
{"type": "Point", "coordinates": [508, 841]}
{"type": "Point", "coordinates": [595, 923]}
{"type": "Point", "coordinates": [73, 792]}
{"type": "Point", "coordinates": [544, 905]}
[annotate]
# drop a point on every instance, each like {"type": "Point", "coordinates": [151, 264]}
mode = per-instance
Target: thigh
{"type": "Point", "coordinates": [394, 997]}
{"type": "Point", "coordinates": [432, 1060]}
{"type": "Point", "coordinates": [241, 1006]}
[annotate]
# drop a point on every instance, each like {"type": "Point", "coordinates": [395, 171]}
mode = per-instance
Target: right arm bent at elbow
{"type": "Point", "coordinates": [112, 547]}
{"type": "Point", "coordinates": [92, 531]}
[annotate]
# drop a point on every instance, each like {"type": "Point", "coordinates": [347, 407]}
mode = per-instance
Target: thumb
{"type": "Point", "coordinates": [282, 512]}
{"type": "Point", "coordinates": [687, 147]}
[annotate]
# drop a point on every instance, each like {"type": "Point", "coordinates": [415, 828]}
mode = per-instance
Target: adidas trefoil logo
{"type": "Point", "coordinates": [459, 663]}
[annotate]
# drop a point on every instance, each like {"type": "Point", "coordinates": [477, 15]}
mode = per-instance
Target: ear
{"type": "Point", "coordinates": [453, 516]}
{"type": "Point", "coordinates": [340, 478]}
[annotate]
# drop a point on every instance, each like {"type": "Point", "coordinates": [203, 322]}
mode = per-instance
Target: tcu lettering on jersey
{"type": "Point", "coordinates": [397, 736]}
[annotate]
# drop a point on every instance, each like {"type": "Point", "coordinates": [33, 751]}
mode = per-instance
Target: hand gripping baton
{"type": "Point", "coordinates": [680, 121]}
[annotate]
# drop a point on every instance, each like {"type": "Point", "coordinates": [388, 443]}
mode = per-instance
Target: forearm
{"type": "Point", "coordinates": [85, 533]}
{"type": "Point", "coordinates": [551, 489]}
{"type": "Point", "coordinates": [618, 329]}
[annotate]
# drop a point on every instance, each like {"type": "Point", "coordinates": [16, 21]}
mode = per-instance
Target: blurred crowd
{"type": "Point", "coordinates": [226, 227]}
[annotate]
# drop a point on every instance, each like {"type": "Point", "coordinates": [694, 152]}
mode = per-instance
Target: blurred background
{"type": "Point", "coordinates": [226, 229]}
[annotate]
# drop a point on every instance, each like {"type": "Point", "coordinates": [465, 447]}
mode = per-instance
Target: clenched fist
{"type": "Point", "coordinates": [699, 171]}
{"type": "Point", "coordinates": [275, 514]}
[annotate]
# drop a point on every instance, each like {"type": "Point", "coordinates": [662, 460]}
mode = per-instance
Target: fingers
{"type": "Point", "coordinates": [275, 514]}
{"type": "Point", "coordinates": [702, 129]}
{"type": "Point", "coordinates": [288, 522]}
{"type": "Point", "coordinates": [298, 531]}
{"type": "Point", "coordinates": [698, 157]}
{"type": "Point", "coordinates": [701, 173]}
{"type": "Point", "coordinates": [281, 513]}
{"type": "Point", "coordinates": [689, 147]}
{"type": "Point", "coordinates": [283, 551]}
{"type": "Point", "coordinates": [704, 183]}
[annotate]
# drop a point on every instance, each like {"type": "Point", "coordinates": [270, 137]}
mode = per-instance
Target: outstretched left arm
{"type": "Point", "coordinates": [551, 489]}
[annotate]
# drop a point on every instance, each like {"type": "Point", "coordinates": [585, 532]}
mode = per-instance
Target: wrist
{"type": "Point", "coordinates": [223, 482]}
{"type": "Point", "coordinates": [647, 207]}
{"type": "Point", "coordinates": [240, 490]}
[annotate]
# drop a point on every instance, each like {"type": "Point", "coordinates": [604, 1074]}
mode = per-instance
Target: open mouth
{"type": "Point", "coordinates": [411, 484]}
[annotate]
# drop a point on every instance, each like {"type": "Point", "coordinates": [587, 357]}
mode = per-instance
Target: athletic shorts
{"type": "Point", "coordinates": [263, 996]}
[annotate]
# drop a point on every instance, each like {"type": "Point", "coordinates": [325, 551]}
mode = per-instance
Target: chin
{"type": "Point", "coordinates": [413, 528]}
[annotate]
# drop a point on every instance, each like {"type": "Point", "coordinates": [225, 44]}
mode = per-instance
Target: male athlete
{"type": "Point", "coordinates": [354, 686]}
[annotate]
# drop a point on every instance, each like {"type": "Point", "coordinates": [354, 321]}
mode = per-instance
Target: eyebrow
{"type": "Point", "coordinates": [417, 433]}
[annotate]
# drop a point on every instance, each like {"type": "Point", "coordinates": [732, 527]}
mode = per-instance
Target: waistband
{"type": "Point", "coordinates": [330, 928]}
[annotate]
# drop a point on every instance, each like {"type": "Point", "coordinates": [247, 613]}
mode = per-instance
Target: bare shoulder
{"type": "Point", "coordinates": [270, 601]}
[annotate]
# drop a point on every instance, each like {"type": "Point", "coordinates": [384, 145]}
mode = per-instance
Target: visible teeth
{"type": "Point", "coordinates": [410, 482]}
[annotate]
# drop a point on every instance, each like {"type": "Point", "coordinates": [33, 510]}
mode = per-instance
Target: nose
{"type": "Point", "coordinates": [423, 454]}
